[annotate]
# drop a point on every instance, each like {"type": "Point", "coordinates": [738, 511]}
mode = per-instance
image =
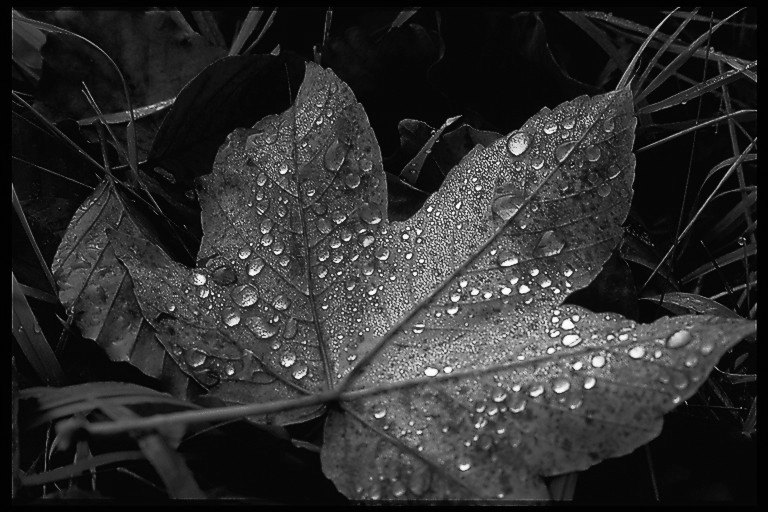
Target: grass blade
{"type": "Point", "coordinates": [681, 59]}
{"type": "Point", "coordinates": [402, 17]}
{"type": "Point", "coordinates": [679, 237]}
{"type": "Point", "coordinates": [723, 260]}
{"type": "Point", "coordinates": [78, 468]}
{"type": "Point", "coordinates": [663, 48]}
{"type": "Point", "coordinates": [31, 339]}
{"type": "Point", "coordinates": [209, 28]}
{"type": "Point", "coordinates": [747, 113]}
{"type": "Point", "coordinates": [693, 92]}
{"type": "Point", "coordinates": [249, 25]}
{"type": "Point", "coordinates": [264, 29]}
{"type": "Point", "coordinates": [31, 237]}
{"type": "Point", "coordinates": [169, 464]}
{"type": "Point", "coordinates": [625, 77]}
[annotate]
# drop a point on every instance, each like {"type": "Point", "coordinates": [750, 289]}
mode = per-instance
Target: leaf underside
{"type": "Point", "coordinates": [472, 380]}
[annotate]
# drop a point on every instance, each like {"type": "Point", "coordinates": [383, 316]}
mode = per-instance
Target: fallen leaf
{"type": "Point", "coordinates": [466, 376]}
{"type": "Point", "coordinates": [96, 288]}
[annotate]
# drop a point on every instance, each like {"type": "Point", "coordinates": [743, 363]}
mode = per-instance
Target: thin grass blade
{"type": "Point", "coordinates": [80, 467]}
{"type": "Point", "coordinates": [31, 237]}
{"type": "Point", "coordinates": [264, 29]}
{"type": "Point", "coordinates": [725, 259]}
{"type": "Point", "coordinates": [747, 114]}
{"type": "Point", "coordinates": [696, 91]}
{"type": "Point", "coordinates": [663, 48]}
{"type": "Point", "coordinates": [209, 28]}
{"type": "Point", "coordinates": [31, 339]}
{"type": "Point", "coordinates": [681, 59]}
{"type": "Point", "coordinates": [249, 25]}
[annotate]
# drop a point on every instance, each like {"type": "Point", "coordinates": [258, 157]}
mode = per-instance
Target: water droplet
{"type": "Point", "coordinates": [679, 380]}
{"type": "Point", "coordinates": [370, 213]}
{"type": "Point", "coordinates": [560, 385]}
{"type": "Point", "coordinates": [691, 360]}
{"type": "Point", "coordinates": [549, 245]}
{"type": "Point", "coordinates": [418, 328]}
{"type": "Point", "coordinates": [569, 123]}
{"type": "Point", "coordinates": [352, 180]}
{"type": "Point", "coordinates": [516, 403]}
{"type": "Point", "coordinates": [282, 302]}
{"type": "Point", "coordinates": [593, 153]}
{"type": "Point", "coordinates": [260, 327]}
{"type": "Point", "coordinates": [506, 206]}
{"type": "Point", "coordinates": [590, 382]}
{"type": "Point", "coordinates": [171, 308]}
{"type": "Point", "coordinates": [536, 390]}
{"type": "Point", "coordinates": [430, 372]}
{"type": "Point", "coordinates": [197, 279]}
{"type": "Point", "coordinates": [382, 253]}
{"type": "Point", "coordinates": [571, 340]}
{"type": "Point", "coordinates": [261, 179]}
{"type": "Point", "coordinates": [231, 317]}
{"type": "Point", "coordinates": [195, 358]}
{"type": "Point", "coordinates": [550, 128]}
{"type": "Point", "coordinates": [598, 361]}
{"type": "Point", "coordinates": [507, 259]}
{"type": "Point", "coordinates": [567, 324]}
{"type": "Point", "coordinates": [244, 253]}
{"type": "Point", "coordinates": [464, 466]}
{"type": "Point", "coordinates": [324, 226]}
{"type": "Point", "coordinates": [335, 154]}
{"type": "Point", "coordinates": [452, 310]}
{"type": "Point", "coordinates": [636, 352]}
{"type": "Point", "coordinates": [537, 162]}
{"type": "Point", "coordinates": [203, 292]}
{"type": "Point", "coordinates": [300, 371]}
{"type": "Point", "coordinates": [608, 125]}
{"type": "Point", "coordinates": [604, 190]}
{"type": "Point", "coordinates": [564, 150]}
{"type": "Point", "coordinates": [255, 266]}
{"type": "Point", "coordinates": [517, 143]}
{"type": "Point", "coordinates": [679, 339]}
{"type": "Point", "coordinates": [291, 327]}
{"type": "Point", "coordinates": [288, 359]}
{"type": "Point", "coordinates": [365, 164]}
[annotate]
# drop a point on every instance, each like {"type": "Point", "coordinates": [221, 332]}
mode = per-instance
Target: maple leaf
{"type": "Point", "coordinates": [461, 373]}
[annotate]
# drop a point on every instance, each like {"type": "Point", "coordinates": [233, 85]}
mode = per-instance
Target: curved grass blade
{"type": "Point", "coordinates": [681, 59]}
{"type": "Point", "coordinates": [31, 339]}
{"type": "Point", "coordinates": [663, 48]}
{"type": "Point", "coordinates": [80, 467]}
{"type": "Point", "coordinates": [748, 115]}
{"type": "Point", "coordinates": [249, 25]}
{"type": "Point", "coordinates": [726, 259]}
{"type": "Point", "coordinates": [695, 91]}
{"type": "Point", "coordinates": [626, 77]}
{"type": "Point", "coordinates": [680, 303]}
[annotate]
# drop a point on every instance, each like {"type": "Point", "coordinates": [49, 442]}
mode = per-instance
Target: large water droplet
{"type": "Point", "coordinates": [636, 352]}
{"type": "Point", "coordinates": [231, 316]}
{"type": "Point", "coordinates": [194, 358]}
{"type": "Point", "coordinates": [564, 150]}
{"type": "Point", "coordinates": [430, 372]}
{"type": "Point", "coordinates": [571, 340]}
{"type": "Point", "coordinates": [505, 206]}
{"type": "Point", "coordinates": [370, 214]}
{"type": "Point", "coordinates": [245, 295]}
{"type": "Point", "coordinates": [300, 371]}
{"type": "Point", "coordinates": [197, 279]}
{"type": "Point", "coordinates": [382, 253]}
{"type": "Point", "coordinates": [365, 164]}
{"type": "Point", "coordinates": [282, 302]}
{"type": "Point", "coordinates": [352, 180]}
{"type": "Point", "coordinates": [255, 266]}
{"type": "Point", "coordinates": [517, 143]}
{"type": "Point", "coordinates": [379, 413]}
{"type": "Point", "coordinates": [288, 359]}
{"type": "Point", "coordinates": [291, 327]}
{"type": "Point", "coordinates": [260, 327]}
{"type": "Point", "coordinates": [464, 466]}
{"type": "Point", "coordinates": [550, 128]}
{"type": "Point", "coordinates": [679, 339]}
{"type": "Point", "coordinates": [549, 245]}
{"type": "Point", "coordinates": [598, 361]}
{"type": "Point", "coordinates": [561, 385]}
{"type": "Point", "coordinates": [593, 153]}
{"type": "Point", "coordinates": [604, 190]}
{"type": "Point", "coordinates": [507, 259]}
{"type": "Point", "coordinates": [590, 382]}
{"type": "Point", "coordinates": [608, 125]}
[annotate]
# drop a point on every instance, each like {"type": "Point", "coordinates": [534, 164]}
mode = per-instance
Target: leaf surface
{"type": "Point", "coordinates": [466, 376]}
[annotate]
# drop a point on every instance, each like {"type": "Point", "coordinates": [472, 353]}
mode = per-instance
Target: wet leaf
{"type": "Point", "coordinates": [96, 288]}
{"type": "Point", "coordinates": [467, 376]}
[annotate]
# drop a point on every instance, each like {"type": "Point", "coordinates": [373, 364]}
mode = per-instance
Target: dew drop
{"type": "Point", "coordinates": [517, 143]}
{"type": "Point", "coordinates": [536, 390]}
{"type": "Point", "coordinates": [231, 317]}
{"type": "Point", "coordinates": [224, 276]}
{"type": "Point", "coordinates": [598, 361]}
{"type": "Point", "coordinates": [288, 359]}
{"type": "Point", "coordinates": [380, 413]}
{"type": "Point", "coordinates": [195, 358]}
{"type": "Point", "coordinates": [569, 123]}
{"type": "Point", "coordinates": [365, 164]}
{"type": "Point", "coordinates": [593, 153]}
{"type": "Point", "coordinates": [255, 266]}
{"type": "Point", "coordinates": [300, 371]}
{"type": "Point", "coordinates": [203, 292]}
{"type": "Point", "coordinates": [507, 259]}
{"type": "Point", "coordinates": [679, 339]}
{"type": "Point", "coordinates": [548, 245]}
{"type": "Point", "coordinates": [197, 279]}
{"type": "Point", "coordinates": [324, 226]}
{"type": "Point", "coordinates": [260, 327]}
{"type": "Point", "coordinates": [571, 340]}
{"type": "Point", "coordinates": [636, 352]}
{"type": "Point", "coordinates": [523, 289]}
{"type": "Point", "coordinates": [352, 180]}
{"type": "Point", "coordinates": [560, 385]}
{"type": "Point", "coordinates": [282, 302]}
{"type": "Point", "coordinates": [537, 162]}
{"type": "Point", "coordinates": [550, 128]}
{"type": "Point", "coordinates": [370, 214]}
{"type": "Point", "coordinates": [382, 253]}
{"type": "Point", "coordinates": [430, 372]}
{"type": "Point", "coordinates": [464, 466]}
{"type": "Point", "coordinates": [608, 125]}
{"type": "Point", "coordinates": [505, 206]}
{"type": "Point", "coordinates": [567, 324]}
{"type": "Point", "coordinates": [589, 382]}
{"type": "Point", "coordinates": [516, 403]}
{"type": "Point", "coordinates": [245, 295]}
{"type": "Point", "coordinates": [291, 327]}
